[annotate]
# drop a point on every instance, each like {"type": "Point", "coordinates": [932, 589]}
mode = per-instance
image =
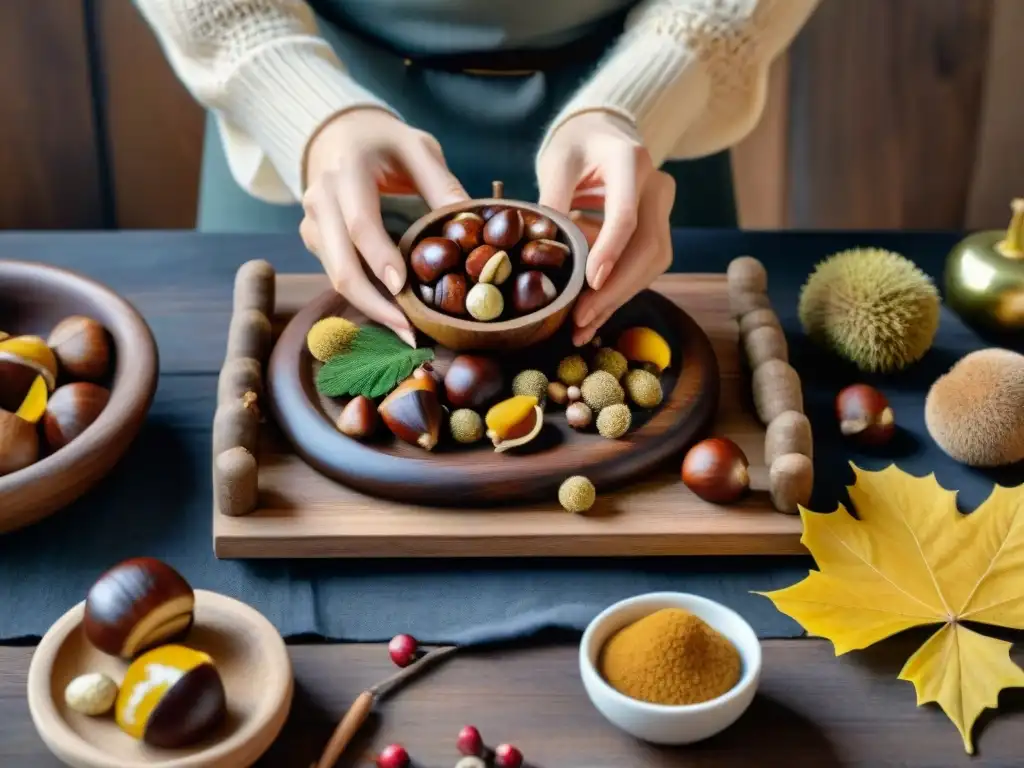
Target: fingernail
{"type": "Point", "coordinates": [602, 273]}
{"type": "Point", "coordinates": [585, 317]}
{"type": "Point", "coordinates": [394, 282]}
{"type": "Point", "coordinates": [406, 335]}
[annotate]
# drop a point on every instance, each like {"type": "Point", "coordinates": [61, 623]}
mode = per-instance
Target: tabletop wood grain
{"type": "Point", "coordinates": [812, 710]}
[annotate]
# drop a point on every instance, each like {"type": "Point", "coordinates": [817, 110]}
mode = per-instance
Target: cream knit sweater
{"type": "Point", "coordinates": [691, 76]}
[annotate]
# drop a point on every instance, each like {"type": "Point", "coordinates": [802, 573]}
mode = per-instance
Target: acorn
{"type": "Point", "coordinates": [358, 419]}
{"type": "Point", "coordinates": [412, 412]}
{"type": "Point", "coordinates": [137, 604]}
{"type": "Point", "coordinates": [82, 348]}
{"type": "Point", "coordinates": [71, 410]}
{"type": "Point", "coordinates": [19, 443]}
{"type": "Point", "coordinates": [171, 697]}
{"type": "Point", "coordinates": [473, 381]}
{"type": "Point", "coordinates": [514, 422]}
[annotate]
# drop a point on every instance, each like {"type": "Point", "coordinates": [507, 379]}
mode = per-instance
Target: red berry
{"type": "Point", "coordinates": [393, 756]}
{"type": "Point", "coordinates": [507, 756]}
{"type": "Point", "coordinates": [469, 742]}
{"type": "Point", "coordinates": [402, 650]}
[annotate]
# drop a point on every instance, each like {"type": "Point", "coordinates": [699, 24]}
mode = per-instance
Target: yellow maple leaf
{"type": "Point", "coordinates": [911, 559]}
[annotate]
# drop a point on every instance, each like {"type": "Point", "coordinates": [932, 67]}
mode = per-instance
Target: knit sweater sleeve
{"type": "Point", "coordinates": [262, 68]}
{"type": "Point", "coordinates": [690, 75]}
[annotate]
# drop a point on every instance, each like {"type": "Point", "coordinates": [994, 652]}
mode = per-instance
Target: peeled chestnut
{"type": "Point", "coordinates": [545, 254]}
{"type": "Point", "coordinates": [473, 381]}
{"type": "Point", "coordinates": [716, 469]}
{"type": "Point", "coordinates": [70, 411]}
{"type": "Point", "coordinates": [433, 257]}
{"type": "Point", "coordinates": [358, 418]}
{"type": "Point", "coordinates": [539, 227]}
{"type": "Point", "coordinates": [19, 443]}
{"type": "Point", "coordinates": [533, 290]}
{"type": "Point", "coordinates": [488, 264]}
{"type": "Point", "coordinates": [137, 604]}
{"type": "Point", "coordinates": [82, 348]}
{"type": "Point", "coordinates": [865, 415]}
{"type": "Point", "coordinates": [450, 294]}
{"type": "Point", "coordinates": [466, 229]}
{"type": "Point", "coordinates": [504, 229]}
{"type": "Point", "coordinates": [171, 697]}
{"type": "Point", "coordinates": [413, 412]}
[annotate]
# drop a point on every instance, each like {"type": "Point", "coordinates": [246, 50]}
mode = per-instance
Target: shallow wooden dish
{"type": "Point", "coordinates": [33, 299]}
{"type": "Point", "coordinates": [453, 475]}
{"type": "Point", "coordinates": [253, 663]}
{"type": "Point", "coordinates": [517, 333]}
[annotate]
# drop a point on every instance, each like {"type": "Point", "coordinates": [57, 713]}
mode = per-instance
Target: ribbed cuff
{"type": "Point", "coordinates": [653, 81]}
{"type": "Point", "coordinates": [284, 93]}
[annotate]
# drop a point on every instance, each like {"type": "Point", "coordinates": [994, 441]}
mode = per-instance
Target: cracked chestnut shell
{"type": "Point", "coordinates": [412, 412]}
{"type": "Point", "coordinates": [137, 604]}
{"type": "Point", "coordinates": [433, 257]}
{"type": "Point", "coordinates": [473, 381]}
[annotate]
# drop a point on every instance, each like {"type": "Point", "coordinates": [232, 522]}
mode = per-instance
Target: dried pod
{"type": "Point", "coordinates": [82, 347]}
{"type": "Point", "coordinates": [791, 481]}
{"type": "Point", "coordinates": [255, 287]}
{"type": "Point", "coordinates": [358, 419]}
{"type": "Point", "coordinates": [466, 230]}
{"type": "Point", "coordinates": [544, 254]}
{"type": "Point", "coordinates": [514, 422]}
{"type": "Point", "coordinates": [450, 294]}
{"type": "Point", "coordinates": [433, 257]}
{"type": "Point", "coordinates": [473, 381]}
{"type": "Point", "coordinates": [539, 227]}
{"type": "Point", "coordinates": [759, 318]}
{"type": "Point", "coordinates": [249, 335]}
{"type": "Point", "coordinates": [413, 413]}
{"type": "Point", "coordinates": [745, 273]}
{"type": "Point", "coordinates": [789, 432]}
{"type": "Point", "coordinates": [776, 389]}
{"type": "Point", "coordinates": [236, 481]}
{"type": "Point", "coordinates": [765, 343]}
{"type": "Point", "coordinates": [505, 228]}
{"type": "Point", "coordinates": [238, 376]}
{"type": "Point", "coordinates": [236, 423]}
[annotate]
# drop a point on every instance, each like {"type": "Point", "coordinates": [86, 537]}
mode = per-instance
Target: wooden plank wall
{"type": "Point", "coordinates": [883, 114]}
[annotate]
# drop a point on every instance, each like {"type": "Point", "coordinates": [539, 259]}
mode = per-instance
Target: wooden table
{"type": "Point", "coordinates": [811, 710]}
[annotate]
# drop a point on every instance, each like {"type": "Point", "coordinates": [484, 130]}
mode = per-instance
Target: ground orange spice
{"type": "Point", "coordinates": [670, 657]}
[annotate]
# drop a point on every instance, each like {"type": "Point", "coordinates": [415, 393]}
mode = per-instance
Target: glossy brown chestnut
{"type": "Point", "coordinates": [544, 254]}
{"type": "Point", "coordinates": [15, 380]}
{"type": "Point", "coordinates": [488, 211]}
{"type": "Point", "coordinates": [504, 229]}
{"type": "Point", "coordinates": [539, 227]}
{"type": "Point", "coordinates": [533, 290]}
{"type": "Point", "coordinates": [466, 229]}
{"type": "Point", "coordinates": [71, 410]}
{"type": "Point", "coordinates": [450, 294]}
{"type": "Point", "coordinates": [82, 348]}
{"type": "Point", "coordinates": [433, 257]}
{"type": "Point", "coordinates": [358, 418]}
{"type": "Point", "coordinates": [865, 415]}
{"type": "Point", "coordinates": [716, 469]}
{"type": "Point", "coordinates": [473, 381]}
{"type": "Point", "coordinates": [137, 604]}
{"type": "Point", "coordinates": [19, 443]}
{"type": "Point", "coordinates": [413, 412]}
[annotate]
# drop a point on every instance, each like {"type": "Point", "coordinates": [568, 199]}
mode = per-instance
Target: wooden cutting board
{"type": "Point", "coordinates": [302, 513]}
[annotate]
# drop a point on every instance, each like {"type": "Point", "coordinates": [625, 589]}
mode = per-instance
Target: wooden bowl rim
{"type": "Point", "coordinates": [130, 396]}
{"type": "Point", "coordinates": [65, 742]}
{"type": "Point", "coordinates": [579, 251]}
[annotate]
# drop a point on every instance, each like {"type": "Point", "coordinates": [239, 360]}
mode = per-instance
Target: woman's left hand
{"type": "Point", "coordinates": [596, 161]}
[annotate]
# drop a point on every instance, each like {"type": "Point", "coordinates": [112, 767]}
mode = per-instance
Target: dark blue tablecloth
{"type": "Point", "coordinates": [157, 501]}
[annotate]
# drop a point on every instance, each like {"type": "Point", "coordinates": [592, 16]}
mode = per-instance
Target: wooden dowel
{"type": "Point", "coordinates": [346, 730]}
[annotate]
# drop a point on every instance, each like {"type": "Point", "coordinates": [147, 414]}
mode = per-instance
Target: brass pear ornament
{"type": "Point", "coordinates": [985, 276]}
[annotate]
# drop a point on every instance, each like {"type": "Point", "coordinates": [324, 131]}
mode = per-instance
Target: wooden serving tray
{"type": "Point", "coordinates": [301, 513]}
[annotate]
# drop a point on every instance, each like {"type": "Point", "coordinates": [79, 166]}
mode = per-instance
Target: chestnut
{"type": "Point", "coordinates": [82, 348]}
{"type": "Point", "coordinates": [412, 412]}
{"type": "Point", "coordinates": [358, 419]}
{"type": "Point", "coordinates": [547, 254]}
{"type": "Point", "coordinates": [473, 381]}
{"type": "Point", "coordinates": [539, 227]}
{"type": "Point", "coordinates": [427, 294]}
{"type": "Point", "coordinates": [450, 294]}
{"type": "Point", "coordinates": [71, 410]}
{"type": "Point", "coordinates": [171, 697]}
{"type": "Point", "coordinates": [504, 229]}
{"type": "Point", "coordinates": [488, 211]}
{"type": "Point", "coordinates": [533, 290]}
{"type": "Point", "coordinates": [488, 264]}
{"type": "Point", "coordinates": [865, 415]}
{"type": "Point", "coordinates": [466, 229]}
{"type": "Point", "coordinates": [716, 469]}
{"type": "Point", "coordinates": [485, 302]}
{"type": "Point", "coordinates": [433, 257]}
{"type": "Point", "coordinates": [19, 443]}
{"type": "Point", "coordinates": [137, 604]}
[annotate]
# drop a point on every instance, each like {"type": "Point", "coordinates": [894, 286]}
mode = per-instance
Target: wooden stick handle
{"type": "Point", "coordinates": [346, 729]}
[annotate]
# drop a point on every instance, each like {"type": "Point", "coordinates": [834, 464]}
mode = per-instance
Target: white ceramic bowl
{"type": "Point", "coordinates": [657, 723]}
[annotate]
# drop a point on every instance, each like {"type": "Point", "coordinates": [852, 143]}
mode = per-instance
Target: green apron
{"type": "Point", "coordinates": [489, 127]}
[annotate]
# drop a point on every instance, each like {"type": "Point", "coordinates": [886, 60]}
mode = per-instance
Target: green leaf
{"type": "Point", "coordinates": [376, 362]}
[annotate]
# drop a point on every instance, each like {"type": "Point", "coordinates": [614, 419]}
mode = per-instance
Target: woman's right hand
{"type": "Point", "coordinates": [354, 159]}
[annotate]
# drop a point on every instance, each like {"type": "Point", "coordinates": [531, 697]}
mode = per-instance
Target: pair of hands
{"type": "Point", "coordinates": [593, 161]}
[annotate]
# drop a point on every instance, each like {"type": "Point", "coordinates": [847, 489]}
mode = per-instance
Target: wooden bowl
{"type": "Point", "coordinates": [248, 651]}
{"type": "Point", "coordinates": [33, 299]}
{"type": "Point", "coordinates": [459, 334]}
